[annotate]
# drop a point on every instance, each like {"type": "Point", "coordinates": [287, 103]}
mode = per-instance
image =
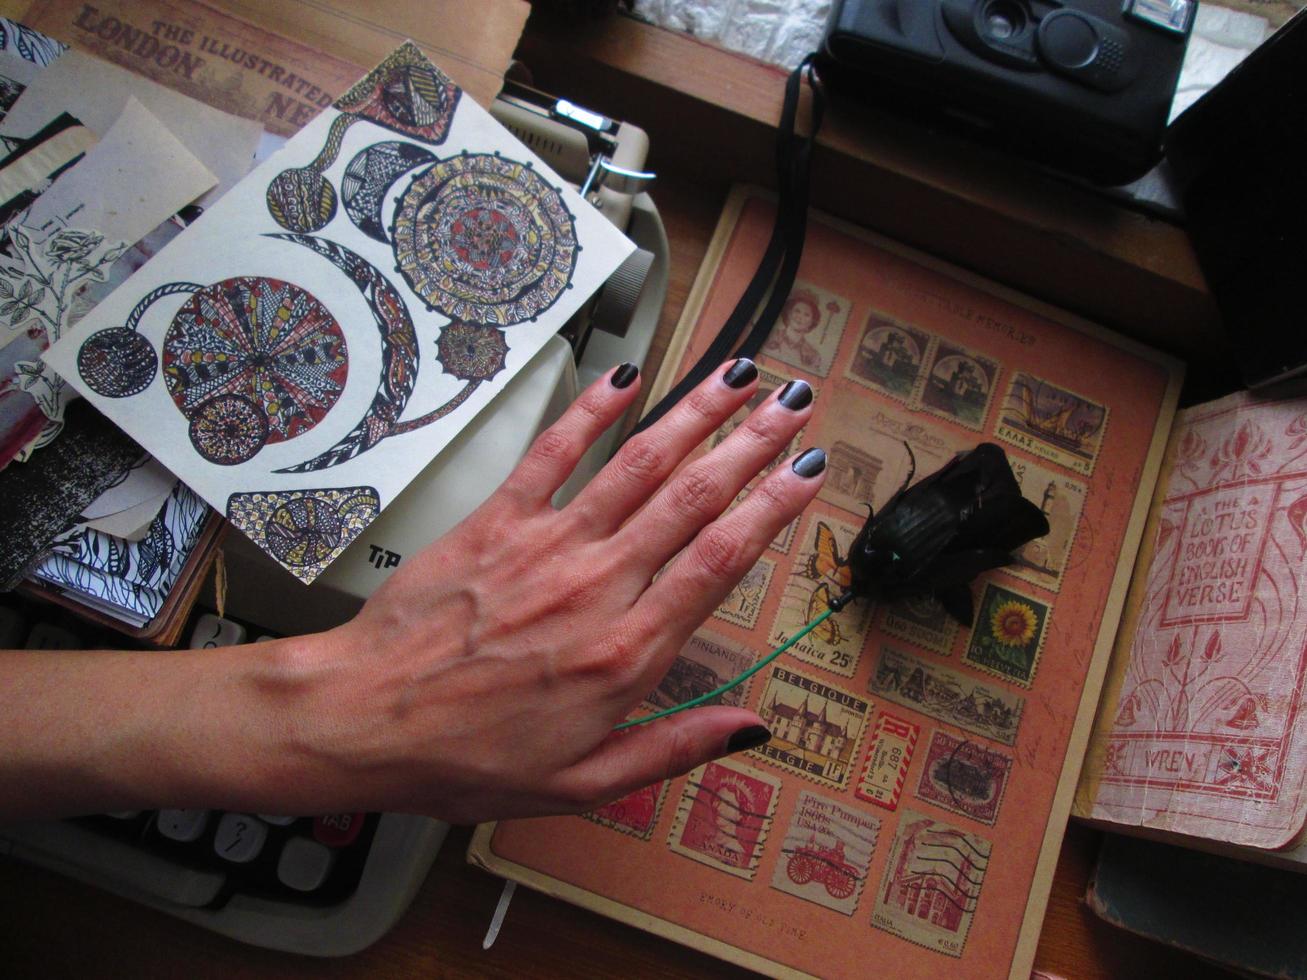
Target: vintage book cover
{"type": "Point", "coordinates": [1199, 731]}
{"type": "Point", "coordinates": [907, 814]}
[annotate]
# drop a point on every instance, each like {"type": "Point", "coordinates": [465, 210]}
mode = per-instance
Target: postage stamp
{"type": "Point", "coordinates": [932, 884]}
{"type": "Point", "coordinates": [1043, 560]}
{"type": "Point", "coordinates": [947, 695]}
{"type": "Point", "coordinates": [892, 742]}
{"type": "Point", "coordinates": [724, 815]}
{"type": "Point", "coordinates": [826, 853]}
{"type": "Point", "coordinates": [1008, 634]}
{"type": "Point", "coordinates": [890, 356]}
{"type": "Point", "coordinates": [808, 332]}
{"type": "Point", "coordinates": [866, 459]}
{"type": "Point", "coordinates": [964, 776]}
{"type": "Point", "coordinates": [1052, 423]}
{"type": "Point", "coordinates": [920, 620]}
{"type": "Point", "coordinates": [815, 728]}
{"type": "Point", "coordinates": [705, 663]}
{"type": "Point", "coordinates": [744, 603]}
{"type": "Point", "coordinates": [819, 574]}
{"type": "Point", "coordinates": [958, 384]}
{"type": "Point", "coordinates": [634, 814]}
{"type": "Point", "coordinates": [785, 540]}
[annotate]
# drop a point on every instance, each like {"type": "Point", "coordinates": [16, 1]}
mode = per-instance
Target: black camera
{"type": "Point", "coordinates": [1081, 85]}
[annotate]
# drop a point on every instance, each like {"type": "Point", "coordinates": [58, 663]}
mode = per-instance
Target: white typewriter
{"type": "Point", "coordinates": [331, 885]}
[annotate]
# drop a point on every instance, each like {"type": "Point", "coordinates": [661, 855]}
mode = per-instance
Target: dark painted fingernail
{"type": "Point", "coordinates": [796, 395]}
{"type": "Point", "coordinates": [740, 373]}
{"type": "Point", "coordinates": [624, 375]}
{"type": "Point", "coordinates": [810, 463]}
{"type": "Point", "coordinates": [748, 738]}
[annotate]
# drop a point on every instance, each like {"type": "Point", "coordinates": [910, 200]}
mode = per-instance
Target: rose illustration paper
{"type": "Point", "coordinates": [301, 352]}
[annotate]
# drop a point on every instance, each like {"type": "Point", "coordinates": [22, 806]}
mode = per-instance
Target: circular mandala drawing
{"type": "Point", "coordinates": [471, 353]}
{"type": "Point", "coordinates": [301, 199]}
{"type": "Point", "coordinates": [117, 363]}
{"type": "Point", "coordinates": [485, 240]}
{"type": "Point", "coordinates": [267, 342]}
{"type": "Point", "coordinates": [303, 531]}
{"type": "Point", "coordinates": [228, 430]}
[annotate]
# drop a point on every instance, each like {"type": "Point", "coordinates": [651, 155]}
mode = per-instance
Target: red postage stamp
{"type": "Point", "coordinates": [892, 743]}
{"type": "Point", "coordinates": [964, 776]}
{"type": "Point", "coordinates": [634, 814]}
{"type": "Point", "coordinates": [826, 853]}
{"type": "Point", "coordinates": [932, 884]}
{"type": "Point", "coordinates": [724, 816]}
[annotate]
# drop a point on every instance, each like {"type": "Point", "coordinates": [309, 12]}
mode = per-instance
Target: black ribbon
{"type": "Point", "coordinates": [780, 261]}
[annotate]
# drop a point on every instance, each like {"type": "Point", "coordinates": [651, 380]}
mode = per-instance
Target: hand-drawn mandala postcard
{"type": "Point", "coordinates": [301, 352]}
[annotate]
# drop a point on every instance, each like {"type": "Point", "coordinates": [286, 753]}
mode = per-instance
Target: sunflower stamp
{"type": "Point", "coordinates": [1053, 423]}
{"type": "Point", "coordinates": [634, 814]}
{"type": "Point", "coordinates": [947, 695]}
{"type": "Point", "coordinates": [744, 603]}
{"type": "Point", "coordinates": [964, 776]}
{"type": "Point", "coordinates": [890, 356]}
{"type": "Point", "coordinates": [808, 331]}
{"type": "Point", "coordinates": [1043, 560]}
{"type": "Point", "coordinates": [819, 575]}
{"type": "Point", "coordinates": [724, 815]}
{"type": "Point", "coordinates": [892, 743]}
{"type": "Point", "coordinates": [826, 854]}
{"type": "Point", "coordinates": [920, 620]}
{"type": "Point", "coordinates": [958, 384]}
{"type": "Point", "coordinates": [815, 728]}
{"type": "Point", "coordinates": [1008, 635]}
{"type": "Point", "coordinates": [932, 884]}
{"type": "Point", "coordinates": [705, 663]}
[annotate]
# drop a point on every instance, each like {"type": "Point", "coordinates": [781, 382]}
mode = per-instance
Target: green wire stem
{"type": "Point", "coordinates": [695, 702]}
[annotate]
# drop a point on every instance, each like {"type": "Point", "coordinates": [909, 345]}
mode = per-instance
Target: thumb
{"type": "Point", "coordinates": [633, 758]}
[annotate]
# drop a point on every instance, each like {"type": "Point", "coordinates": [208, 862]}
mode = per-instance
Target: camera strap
{"type": "Point", "coordinates": [780, 261]}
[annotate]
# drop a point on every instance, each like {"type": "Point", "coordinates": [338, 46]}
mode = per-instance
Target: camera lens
{"type": "Point", "coordinates": [1002, 20]}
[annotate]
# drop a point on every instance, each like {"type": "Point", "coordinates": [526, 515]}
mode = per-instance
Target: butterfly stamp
{"type": "Point", "coordinates": [892, 743]}
{"type": "Point", "coordinates": [920, 620]}
{"type": "Point", "coordinates": [819, 575]}
{"type": "Point", "coordinates": [958, 384]}
{"type": "Point", "coordinates": [932, 884]}
{"type": "Point", "coordinates": [1043, 560]}
{"type": "Point", "coordinates": [947, 695]}
{"type": "Point", "coordinates": [808, 331]}
{"type": "Point", "coordinates": [1008, 635]}
{"type": "Point", "coordinates": [964, 776]}
{"type": "Point", "coordinates": [1052, 423]}
{"type": "Point", "coordinates": [866, 459]}
{"type": "Point", "coordinates": [890, 356]}
{"type": "Point", "coordinates": [635, 814]}
{"type": "Point", "coordinates": [724, 815]}
{"type": "Point", "coordinates": [744, 603]}
{"type": "Point", "coordinates": [815, 728]}
{"type": "Point", "coordinates": [826, 854]}
{"type": "Point", "coordinates": [705, 663]}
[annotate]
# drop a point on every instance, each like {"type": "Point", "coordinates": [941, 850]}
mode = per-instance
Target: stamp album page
{"type": "Point", "coordinates": [906, 815]}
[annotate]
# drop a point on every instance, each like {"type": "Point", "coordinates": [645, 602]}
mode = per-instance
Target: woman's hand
{"type": "Point", "coordinates": [485, 677]}
{"type": "Point", "coordinates": [483, 680]}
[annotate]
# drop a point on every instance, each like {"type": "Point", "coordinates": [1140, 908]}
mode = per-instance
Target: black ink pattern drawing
{"type": "Point", "coordinates": [369, 176]}
{"type": "Point", "coordinates": [471, 354]}
{"type": "Point", "coordinates": [305, 530]}
{"type": "Point", "coordinates": [484, 239]}
{"type": "Point", "coordinates": [405, 93]}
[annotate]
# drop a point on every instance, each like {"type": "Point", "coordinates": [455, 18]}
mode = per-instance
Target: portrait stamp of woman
{"type": "Point", "coordinates": [807, 333]}
{"type": "Point", "coordinates": [724, 815]}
